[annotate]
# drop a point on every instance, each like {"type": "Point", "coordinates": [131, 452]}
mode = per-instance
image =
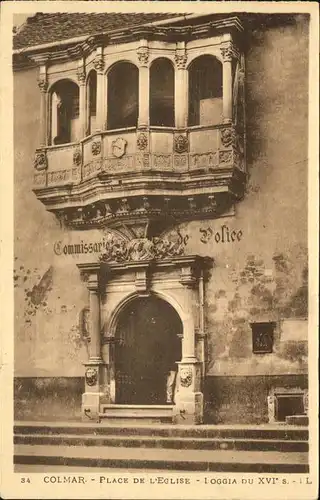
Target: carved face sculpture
{"type": "Point", "coordinates": [185, 376]}
{"type": "Point", "coordinates": [91, 376]}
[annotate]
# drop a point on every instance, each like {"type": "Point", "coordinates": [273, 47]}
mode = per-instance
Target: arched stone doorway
{"type": "Point", "coordinates": [148, 344]}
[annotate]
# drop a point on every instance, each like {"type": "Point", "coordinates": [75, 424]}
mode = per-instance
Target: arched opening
{"type": "Point", "coordinates": [205, 91]}
{"type": "Point", "coordinates": [148, 345]}
{"type": "Point", "coordinates": [91, 101]}
{"type": "Point", "coordinates": [162, 93]}
{"type": "Point", "coordinates": [123, 96]}
{"type": "Point", "coordinates": [64, 101]}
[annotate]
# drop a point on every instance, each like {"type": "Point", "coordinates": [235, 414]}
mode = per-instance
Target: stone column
{"type": "Point", "coordinates": [82, 102]}
{"type": "Point", "coordinates": [227, 54]}
{"type": "Point", "coordinates": [43, 86]}
{"type": "Point", "coordinates": [144, 84]}
{"type": "Point", "coordinates": [181, 87]}
{"type": "Point", "coordinates": [188, 407]}
{"type": "Point", "coordinates": [95, 368]}
{"type": "Point", "coordinates": [101, 97]}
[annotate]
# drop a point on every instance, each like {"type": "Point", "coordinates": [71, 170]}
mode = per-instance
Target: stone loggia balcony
{"type": "Point", "coordinates": [149, 173]}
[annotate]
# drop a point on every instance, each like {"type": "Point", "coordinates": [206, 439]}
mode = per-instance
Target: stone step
{"type": "Point", "coordinates": [166, 459]}
{"type": "Point", "coordinates": [297, 420]}
{"type": "Point", "coordinates": [116, 411]}
{"type": "Point", "coordinates": [107, 428]}
{"type": "Point", "coordinates": [163, 442]}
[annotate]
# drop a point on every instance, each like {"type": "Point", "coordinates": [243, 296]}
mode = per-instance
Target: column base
{"type": "Point", "coordinates": [188, 409]}
{"type": "Point", "coordinates": [91, 406]}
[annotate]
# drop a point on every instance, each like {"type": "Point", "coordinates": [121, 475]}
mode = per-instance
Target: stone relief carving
{"type": "Point", "coordinates": [143, 55]}
{"type": "Point", "coordinates": [204, 160]}
{"type": "Point", "coordinates": [43, 83]}
{"type": "Point", "coordinates": [181, 59]}
{"type": "Point", "coordinates": [40, 161]}
{"type": "Point", "coordinates": [91, 376]}
{"type": "Point", "coordinates": [118, 147]}
{"type": "Point", "coordinates": [140, 249]}
{"type": "Point", "coordinates": [181, 144]}
{"type": "Point", "coordinates": [228, 137]}
{"type": "Point", "coordinates": [39, 179]}
{"type": "Point", "coordinates": [225, 156]}
{"type": "Point", "coordinates": [162, 161]}
{"type": "Point", "coordinates": [77, 157]}
{"type": "Point", "coordinates": [185, 376]}
{"type": "Point", "coordinates": [59, 176]}
{"type": "Point", "coordinates": [142, 141]}
{"type": "Point", "coordinates": [98, 64]}
{"type": "Point", "coordinates": [96, 148]}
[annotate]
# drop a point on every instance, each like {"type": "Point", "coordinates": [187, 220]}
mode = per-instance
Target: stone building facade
{"type": "Point", "coordinates": [161, 216]}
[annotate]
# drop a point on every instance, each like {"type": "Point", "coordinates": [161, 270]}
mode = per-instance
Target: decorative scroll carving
{"type": "Point", "coordinates": [96, 148]}
{"type": "Point", "coordinates": [185, 376]}
{"type": "Point", "coordinates": [225, 157]}
{"type": "Point", "coordinates": [142, 141]}
{"type": "Point", "coordinates": [59, 176]}
{"type": "Point", "coordinates": [91, 376]}
{"type": "Point", "coordinates": [143, 56]}
{"type": "Point", "coordinates": [143, 160]}
{"type": "Point", "coordinates": [140, 249]}
{"type": "Point", "coordinates": [91, 168]}
{"type": "Point", "coordinates": [180, 161]}
{"type": "Point", "coordinates": [77, 157]}
{"type": "Point", "coordinates": [43, 83]}
{"type": "Point", "coordinates": [181, 59]}
{"type": "Point", "coordinates": [118, 147]}
{"type": "Point", "coordinates": [181, 144]}
{"type": "Point", "coordinates": [162, 161]}
{"type": "Point", "coordinates": [204, 160]}
{"type": "Point", "coordinates": [40, 161]}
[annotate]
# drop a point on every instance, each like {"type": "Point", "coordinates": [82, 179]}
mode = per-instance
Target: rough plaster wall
{"type": "Point", "coordinates": [264, 275]}
{"type": "Point", "coordinates": [48, 293]}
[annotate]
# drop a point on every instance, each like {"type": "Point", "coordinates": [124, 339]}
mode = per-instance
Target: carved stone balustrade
{"type": "Point", "coordinates": [159, 172]}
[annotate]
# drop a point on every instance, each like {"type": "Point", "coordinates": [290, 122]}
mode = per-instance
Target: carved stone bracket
{"type": "Point", "coordinates": [229, 52]}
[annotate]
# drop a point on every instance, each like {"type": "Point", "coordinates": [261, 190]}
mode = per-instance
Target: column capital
{"type": "Point", "coordinates": [98, 64]}
{"type": "Point", "coordinates": [229, 51]}
{"type": "Point", "coordinates": [93, 283]}
{"type": "Point", "coordinates": [81, 75]}
{"type": "Point", "coordinates": [181, 58]}
{"type": "Point", "coordinates": [143, 56]}
{"type": "Point", "coordinates": [43, 84]}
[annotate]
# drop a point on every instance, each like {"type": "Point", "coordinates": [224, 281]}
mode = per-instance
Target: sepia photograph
{"type": "Point", "coordinates": [161, 260]}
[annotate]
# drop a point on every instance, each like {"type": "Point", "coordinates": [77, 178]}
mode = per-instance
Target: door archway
{"type": "Point", "coordinates": [148, 345]}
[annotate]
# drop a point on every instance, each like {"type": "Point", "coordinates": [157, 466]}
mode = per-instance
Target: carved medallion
{"type": "Point", "coordinates": [181, 144]}
{"type": "Point", "coordinates": [91, 376]}
{"type": "Point", "coordinates": [40, 161]}
{"type": "Point", "coordinates": [96, 148]}
{"type": "Point", "coordinates": [186, 376]}
{"type": "Point", "coordinates": [119, 147]}
{"type": "Point", "coordinates": [77, 157]}
{"type": "Point", "coordinates": [142, 141]}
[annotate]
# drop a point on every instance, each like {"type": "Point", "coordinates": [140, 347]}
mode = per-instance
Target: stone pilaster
{"type": "Point", "coordinates": [144, 84]}
{"type": "Point", "coordinates": [227, 55]}
{"type": "Point", "coordinates": [81, 74]}
{"type": "Point", "coordinates": [181, 87]}
{"type": "Point", "coordinates": [43, 86]}
{"type": "Point", "coordinates": [101, 91]}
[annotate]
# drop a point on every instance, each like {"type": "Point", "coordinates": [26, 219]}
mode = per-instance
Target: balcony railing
{"type": "Point", "coordinates": [132, 152]}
